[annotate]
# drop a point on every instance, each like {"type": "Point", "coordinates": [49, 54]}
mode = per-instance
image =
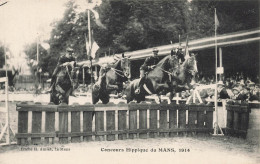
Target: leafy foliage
{"type": "Point", "coordinates": [3, 48]}
{"type": "Point", "coordinates": [31, 51]}
{"type": "Point", "coordinates": [134, 24]}
{"type": "Point", "coordinates": [2, 56]}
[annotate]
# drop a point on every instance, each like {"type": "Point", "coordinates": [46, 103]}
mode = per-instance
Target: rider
{"type": "Point", "coordinates": [180, 55]}
{"type": "Point", "coordinates": [148, 65]}
{"type": "Point", "coordinates": [62, 59]}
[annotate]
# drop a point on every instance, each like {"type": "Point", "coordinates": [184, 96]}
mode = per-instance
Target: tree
{"type": "Point", "coordinates": [31, 52]}
{"type": "Point", "coordinates": [2, 57]}
{"type": "Point", "coordinates": [3, 49]}
{"type": "Point", "coordinates": [133, 24]}
{"type": "Point", "coordinates": [232, 15]}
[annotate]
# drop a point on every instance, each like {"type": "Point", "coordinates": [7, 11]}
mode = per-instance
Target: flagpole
{"type": "Point", "coordinates": [90, 58]}
{"type": "Point", "coordinates": [216, 65]}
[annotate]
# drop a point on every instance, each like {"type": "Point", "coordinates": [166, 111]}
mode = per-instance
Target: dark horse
{"type": "Point", "coordinates": [112, 79]}
{"type": "Point", "coordinates": [65, 83]}
{"type": "Point", "coordinates": [157, 80]}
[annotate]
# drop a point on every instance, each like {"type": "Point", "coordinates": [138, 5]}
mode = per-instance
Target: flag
{"type": "Point", "coordinates": [91, 47]}
{"type": "Point", "coordinates": [216, 20]}
{"type": "Point", "coordinates": [187, 49]}
{"type": "Point", "coordinates": [96, 15]}
{"type": "Point", "coordinates": [94, 49]}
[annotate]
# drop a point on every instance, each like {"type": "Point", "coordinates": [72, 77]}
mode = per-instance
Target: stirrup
{"type": "Point", "coordinates": [137, 91]}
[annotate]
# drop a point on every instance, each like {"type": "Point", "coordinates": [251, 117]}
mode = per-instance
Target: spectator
{"type": "Point", "coordinates": [223, 94]}
{"type": "Point", "coordinates": [254, 92]}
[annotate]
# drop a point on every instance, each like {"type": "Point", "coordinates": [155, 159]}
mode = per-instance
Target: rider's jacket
{"type": "Point", "coordinates": [150, 61]}
{"type": "Point", "coordinates": [62, 59]}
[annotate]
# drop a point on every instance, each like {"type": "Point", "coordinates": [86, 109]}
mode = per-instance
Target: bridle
{"type": "Point", "coordinates": [118, 72]}
{"type": "Point", "coordinates": [67, 70]}
{"type": "Point", "coordinates": [170, 74]}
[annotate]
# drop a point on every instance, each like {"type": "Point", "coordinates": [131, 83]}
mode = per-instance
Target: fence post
{"type": "Point", "coordinates": [236, 121]}
{"type": "Point", "coordinates": [88, 115]}
{"type": "Point", "coordinates": [110, 122]}
{"type": "Point", "coordinates": [99, 122]}
{"type": "Point", "coordinates": [173, 119]}
{"type": "Point", "coordinates": [36, 125]}
{"type": "Point", "coordinates": [132, 120]}
{"type": "Point", "coordinates": [63, 124]}
{"type": "Point", "coordinates": [209, 117]}
{"type": "Point", "coordinates": [153, 120]}
{"type": "Point", "coordinates": [182, 118]}
{"type": "Point", "coordinates": [22, 124]}
{"type": "Point", "coordinates": [230, 117]}
{"type": "Point", "coordinates": [192, 118]}
{"type": "Point", "coordinates": [244, 119]}
{"type": "Point", "coordinates": [143, 106]}
{"type": "Point", "coordinates": [122, 121]}
{"type": "Point", "coordinates": [75, 122]}
{"type": "Point", "coordinates": [163, 120]}
{"type": "Point", "coordinates": [50, 123]}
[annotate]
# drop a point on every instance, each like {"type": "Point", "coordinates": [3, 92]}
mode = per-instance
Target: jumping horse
{"type": "Point", "coordinates": [157, 80]}
{"type": "Point", "coordinates": [111, 79]}
{"type": "Point", "coordinates": [165, 78]}
{"type": "Point", "coordinates": [65, 83]}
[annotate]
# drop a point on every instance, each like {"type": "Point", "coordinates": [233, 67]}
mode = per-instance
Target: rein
{"type": "Point", "coordinates": [165, 71]}
{"type": "Point", "coordinates": [67, 69]}
{"type": "Point", "coordinates": [117, 72]}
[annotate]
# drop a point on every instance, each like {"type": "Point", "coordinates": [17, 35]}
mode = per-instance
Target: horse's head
{"type": "Point", "coordinates": [180, 54]}
{"type": "Point", "coordinates": [191, 65]}
{"type": "Point", "coordinates": [125, 66]}
{"type": "Point", "coordinates": [173, 63]}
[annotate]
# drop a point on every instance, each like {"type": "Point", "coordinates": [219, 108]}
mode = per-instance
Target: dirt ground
{"type": "Point", "coordinates": [158, 150]}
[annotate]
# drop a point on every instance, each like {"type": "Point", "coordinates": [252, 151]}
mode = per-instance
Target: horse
{"type": "Point", "coordinates": [157, 80]}
{"type": "Point", "coordinates": [65, 83]}
{"type": "Point", "coordinates": [112, 79]}
{"type": "Point", "coordinates": [186, 74]}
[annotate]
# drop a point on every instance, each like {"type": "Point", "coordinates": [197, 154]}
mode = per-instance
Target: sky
{"type": "Point", "coordinates": [21, 21]}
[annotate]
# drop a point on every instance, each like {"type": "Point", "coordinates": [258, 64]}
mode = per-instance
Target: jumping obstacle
{"type": "Point", "coordinates": [38, 124]}
{"type": "Point", "coordinates": [237, 119]}
{"type": "Point", "coordinates": [5, 127]}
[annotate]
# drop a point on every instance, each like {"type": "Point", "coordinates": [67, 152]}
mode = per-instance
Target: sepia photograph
{"type": "Point", "coordinates": [129, 81]}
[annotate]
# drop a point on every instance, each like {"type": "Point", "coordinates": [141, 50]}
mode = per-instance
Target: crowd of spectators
{"type": "Point", "coordinates": [237, 87]}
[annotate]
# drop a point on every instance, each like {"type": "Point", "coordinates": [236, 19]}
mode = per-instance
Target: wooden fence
{"type": "Point", "coordinates": [237, 119]}
{"type": "Point", "coordinates": [76, 123]}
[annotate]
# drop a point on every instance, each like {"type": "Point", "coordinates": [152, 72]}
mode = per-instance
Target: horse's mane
{"type": "Point", "coordinates": [163, 62]}
{"type": "Point", "coordinates": [116, 64]}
